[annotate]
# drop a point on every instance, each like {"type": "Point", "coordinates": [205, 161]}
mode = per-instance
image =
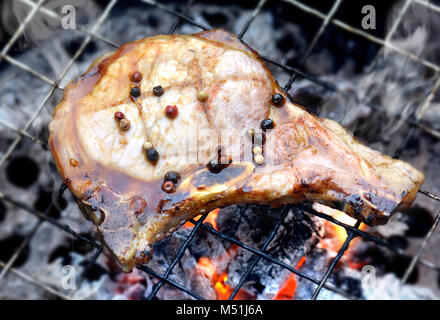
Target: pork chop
{"type": "Point", "coordinates": [169, 127]}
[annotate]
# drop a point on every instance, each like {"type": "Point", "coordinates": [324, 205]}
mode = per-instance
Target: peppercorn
{"type": "Point", "coordinates": [124, 124]}
{"type": "Point", "coordinates": [168, 187]}
{"type": "Point", "coordinates": [278, 99]}
{"type": "Point", "coordinates": [267, 124]}
{"type": "Point", "coordinates": [250, 133]}
{"type": "Point", "coordinates": [202, 96]}
{"type": "Point", "coordinates": [152, 155]}
{"type": "Point", "coordinates": [257, 150]}
{"type": "Point", "coordinates": [119, 115]}
{"type": "Point", "coordinates": [171, 112]}
{"type": "Point", "coordinates": [135, 92]}
{"type": "Point", "coordinates": [214, 166]}
{"type": "Point", "coordinates": [259, 159]}
{"type": "Point", "coordinates": [172, 176]}
{"type": "Point", "coordinates": [147, 145]}
{"type": "Point", "coordinates": [158, 91]}
{"type": "Point", "coordinates": [74, 162]}
{"type": "Point", "coordinates": [136, 77]}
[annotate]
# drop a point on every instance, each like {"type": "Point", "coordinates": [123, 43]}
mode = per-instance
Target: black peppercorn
{"type": "Point", "coordinates": [135, 92]}
{"type": "Point", "coordinates": [267, 124]}
{"type": "Point", "coordinates": [158, 91]}
{"type": "Point", "coordinates": [172, 176]}
{"type": "Point", "coordinates": [152, 155]}
{"type": "Point", "coordinates": [215, 166]}
{"type": "Point", "coordinates": [278, 99]}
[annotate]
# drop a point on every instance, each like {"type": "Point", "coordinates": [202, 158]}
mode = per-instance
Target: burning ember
{"type": "Point", "coordinates": [222, 289]}
{"type": "Point", "coordinates": [217, 268]}
{"type": "Point", "coordinates": [335, 235]}
{"type": "Point", "coordinates": [131, 286]}
{"type": "Point", "coordinates": [219, 280]}
{"type": "Point", "coordinates": [288, 289]}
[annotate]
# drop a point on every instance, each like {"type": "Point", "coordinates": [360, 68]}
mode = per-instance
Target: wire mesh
{"type": "Point", "coordinates": [258, 253]}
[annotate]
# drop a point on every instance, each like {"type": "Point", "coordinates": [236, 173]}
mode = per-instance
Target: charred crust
{"type": "Point", "coordinates": [369, 219]}
{"type": "Point", "coordinates": [355, 200]}
{"type": "Point", "coordinates": [304, 184]}
{"type": "Point", "coordinates": [356, 203]}
{"type": "Point", "coordinates": [161, 205]}
{"type": "Point", "coordinates": [338, 205]}
{"type": "Point", "coordinates": [144, 253]}
{"type": "Point", "coordinates": [88, 194]}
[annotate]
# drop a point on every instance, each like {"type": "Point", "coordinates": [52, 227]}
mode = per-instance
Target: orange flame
{"type": "Point", "coordinates": [206, 267]}
{"type": "Point", "coordinates": [222, 289]}
{"type": "Point", "coordinates": [334, 239]}
{"type": "Point", "coordinates": [288, 288]}
{"type": "Point", "coordinates": [211, 218]}
{"type": "Point", "coordinates": [336, 235]}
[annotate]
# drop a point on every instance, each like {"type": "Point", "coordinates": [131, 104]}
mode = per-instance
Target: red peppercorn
{"type": "Point", "coordinates": [119, 115]}
{"type": "Point", "coordinates": [171, 112]}
{"type": "Point", "coordinates": [168, 187]}
{"type": "Point", "coordinates": [136, 77]}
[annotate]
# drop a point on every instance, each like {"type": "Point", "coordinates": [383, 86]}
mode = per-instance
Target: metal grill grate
{"type": "Point", "coordinates": [258, 253]}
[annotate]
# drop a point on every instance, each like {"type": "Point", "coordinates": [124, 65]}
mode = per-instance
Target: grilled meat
{"type": "Point", "coordinates": [169, 127]}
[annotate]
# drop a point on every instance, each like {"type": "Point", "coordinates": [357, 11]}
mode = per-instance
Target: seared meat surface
{"type": "Point", "coordinates": [169, 127]}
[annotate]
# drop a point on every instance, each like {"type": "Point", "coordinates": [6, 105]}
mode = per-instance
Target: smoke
{"type": "Point", "coordinates": [394, 82]}
{"type": "Point", "coordinates": [11, 13]}
{"type": "Point", "coordinates": [44, 25]}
